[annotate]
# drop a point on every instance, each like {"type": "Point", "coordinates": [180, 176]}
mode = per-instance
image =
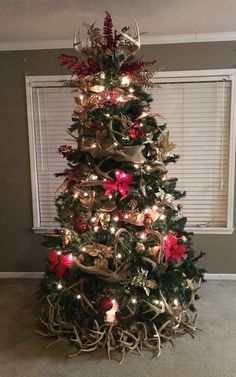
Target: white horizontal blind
{"type": "Point", "coordinates": [52, 107]}
{"type": "Point", "coordinates": [198, 117]}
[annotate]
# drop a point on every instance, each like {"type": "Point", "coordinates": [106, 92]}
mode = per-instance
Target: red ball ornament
{"type": "Point", "coordinates": [79, 226]}
{"type": "Point", "coordinates": [105, 304]}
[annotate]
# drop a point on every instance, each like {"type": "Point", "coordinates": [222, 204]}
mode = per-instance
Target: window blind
{"type": "Point", "coordinates": [198, 117]}
{"type": "Point", "coordinates": [52, 108]}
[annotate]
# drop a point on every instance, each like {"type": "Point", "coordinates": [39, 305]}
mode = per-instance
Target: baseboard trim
{"type": "Point", "coordinates": [21, 275]}
{"type": "Point", "coordinates": [39, 275]}
{"type": "Point", "coordinates": [220, 276]}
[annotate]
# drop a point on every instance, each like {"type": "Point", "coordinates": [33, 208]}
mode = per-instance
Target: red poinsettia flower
{"type": "Point", "coordinates": [59, 263]}
{"type": "Point", "coordinates": [174, 250]}
{"type": "Point", "coordinates": [64, 149]}
{"type": "Point", "coordinates": [122, 183]}
{"type": "Point", "coordinates": [136, 132]}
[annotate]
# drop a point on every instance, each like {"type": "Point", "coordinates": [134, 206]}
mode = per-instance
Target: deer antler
{"type": "Point", "coordinates": [136, 39]}
{"type": "Point", "coordinates": [77, 44]}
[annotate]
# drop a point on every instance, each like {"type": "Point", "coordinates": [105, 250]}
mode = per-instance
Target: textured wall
{"type": "Point", "coordinates": [20, 248]}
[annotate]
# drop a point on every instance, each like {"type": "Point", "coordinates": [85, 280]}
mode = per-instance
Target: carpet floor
{"type": "Point", "coordinates": [211, 354]}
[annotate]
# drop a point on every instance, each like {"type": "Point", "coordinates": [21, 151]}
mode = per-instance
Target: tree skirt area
{"type": "Point", "coordinates": [25, 354]}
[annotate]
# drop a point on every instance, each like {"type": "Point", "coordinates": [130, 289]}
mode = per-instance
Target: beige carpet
{"type": "Point", "coordinates": [211, 354]}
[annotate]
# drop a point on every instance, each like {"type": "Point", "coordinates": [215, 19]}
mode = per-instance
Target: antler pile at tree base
{"type": "Point", "coordinates": [121, 271]}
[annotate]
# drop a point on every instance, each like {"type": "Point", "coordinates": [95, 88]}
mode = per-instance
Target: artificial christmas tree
{"type": "Point", "coordinates": [121, 270]}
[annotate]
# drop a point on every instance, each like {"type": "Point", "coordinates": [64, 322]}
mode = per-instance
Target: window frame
{"type": "Point", "coordinates": [174, 76]}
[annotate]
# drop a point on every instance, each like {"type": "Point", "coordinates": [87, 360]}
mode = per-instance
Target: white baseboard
{"type": "Point", "coordinates": [39, 275]}
{"type": "Point", "coordinates": [21, 275]}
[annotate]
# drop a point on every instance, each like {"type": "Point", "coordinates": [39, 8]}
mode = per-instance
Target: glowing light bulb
{"type": "Point", "coordinates": [93, 219]}
{"type": "Point", "coordinates": [94, 177]}
{"type": "Point", "coordinates": [99, 98]}
{"type": "Point", "coordinates": [162, 217]}
{"type": "Point", "coordinates": [93, 145]}
{"type": "Point", "coordinates": [175, 302]}
{"type": "Point", "coordinates": [108, 97]}
{"type": "Point", "coordinates": [107, 115]}
{"type": "Point", "coordinates": [59, 286]}
{"type": "Point", "coordinates": [119, 256]}
{"type": "Point", "coordinates": [155, 208]}
{"type": "Point", "coordinates": [184, 238]}
{"type": "Point", "coordinates": [156, 302]}
{"type": "Point", "coordinates": [78, 297]}
{"type": "Point", "coordinates": [85, 193]}
{"type": "Point", "coordinates": [126, 216]}
{"type": "Point", "coordinates": [115, 144]}
{"type": "Point", "coordinates": [136, 166]}
{"type": "Point", "coordinates": [116, 218]}
{"type": "Point", "coordinates": [58, 252]}
{"type": "Point", "coordinates": [76, 195]}
{"type": "Point", "coordinates": [81, 97]}
{"type": "Point", "coordinates": [112, 229]}
{"type": "Point", "coordinates": [120, 99]}
{"type": "Point", "coordinates": [83, 249]}
{"type": "Point", "coordinates": [148, 168]}
{"type": "Point", "coordinates": [134, 300]}
{"type": "Point", "coordinates": [70, 257]}
{"type": "Point", "coordinates": [96, 228]}
{"type": "Point", "coordinates": [110, 196]}
{"type": "Point", "coordinates": [125, 80]}
{"type": "Point", "coordinates": [131, 90]}
{"type": "Point", "coordinates": [143, 236]}
{"type": "Point", "coordinates": [113, 301]}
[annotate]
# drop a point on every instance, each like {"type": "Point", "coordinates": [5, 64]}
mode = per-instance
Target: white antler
{"type": "Point", "coordinates": [77, 45]}
{"type": "Point", "coordinates": [136, 40]}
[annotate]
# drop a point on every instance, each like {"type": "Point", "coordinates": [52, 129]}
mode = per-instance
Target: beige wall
{"type": "Point", "coordinates": [20, 248]}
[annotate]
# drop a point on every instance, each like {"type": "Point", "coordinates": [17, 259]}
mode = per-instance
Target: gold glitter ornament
{"type": "Point", "coordinates": [104, 219]}
{"type": "Point", "coordinates": [66, 236]}
{"type": "Point", "coordinates": [141, 280]}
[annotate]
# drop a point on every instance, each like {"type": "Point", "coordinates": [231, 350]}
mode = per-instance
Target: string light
{"type": "Point", "coordinates": [116, 218]}
{"type": "Point", "coordinates": [70, 257]}
{"type": "Point", "coordinates": [136, 166]}
{"type": "Point", "coordinates": [112, 229]}
{"type": "Point", "coordinates": [148, 168]}
{"type": "Point", "coordinates": [119, 256]}
{"type": "Point", "coordinates": [58, 252]}
{"type": "Point", "coordinates": [107, 115]}
{"type": "Point", "coordinates": [131, 90]}
{"type": "Point", "coordinates": [93, 145]}
{"type": "Point", "coordinates": [115, 144]}
{"type": "Point", "coordinates": [113, 301]}
{"type": "Point", "coordinates": [83, 248]}
{"type": "Point", "coordinates": [96, 227]}
{"type": "Point", "coordinates": [85, 193]}
{"type": "Point", "coordinates": [110, 196]}
{"type": "Point", "coordinates": [93, 219]}
{"type": "Point", "coordinates": [78, 297]}
{"type": "Point", "coordinates": [81, 97]}
{"type": "Point", "coordinates": [156, 302]}
{"type": "Point", "coordinates": [94, 177]}
{"type": "Point", "coordinates": [162, 217]}
{"type": "Point", "coordinates": [184, 238]}
{"type": "Point", "coordinates": [176, 302]}
{"type": "Point", "coordinates": [59, 286]}
{"type": "Point", "coordinates": [146, 210]}
{"type": "Point", "coordinates": [134, 300]}
{"type": "Point", "coordinates": [155, 208]}
{"type": "Point", "coordinates": [125, 80]}
{"type": "Point", "coordinates": [143, 236]}
{"type": "Point", "coordinates": [76, 195]}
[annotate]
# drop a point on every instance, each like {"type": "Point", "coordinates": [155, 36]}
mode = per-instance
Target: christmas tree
{"type": "Point", "coordinates": [121, 270]}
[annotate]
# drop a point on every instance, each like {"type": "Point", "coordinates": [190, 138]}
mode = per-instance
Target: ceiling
{"type": "Point", "coordinates": [43, 20]}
